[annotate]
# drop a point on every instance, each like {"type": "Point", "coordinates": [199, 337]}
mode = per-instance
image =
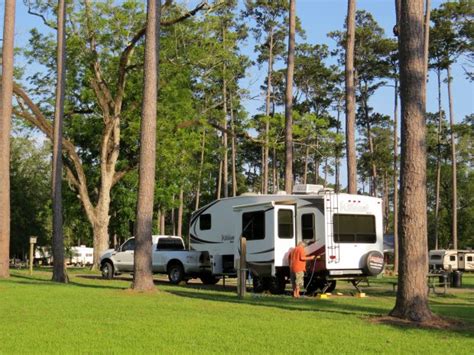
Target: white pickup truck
{"type": "Point", "coordinates": [168, 257]}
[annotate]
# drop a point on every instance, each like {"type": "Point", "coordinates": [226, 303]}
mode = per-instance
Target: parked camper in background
{"type": "Point", "coordinates": [343, 231]}
{"type": "Point", "coordinates": [462, 260]}
{"type": "Point", "coordinates": [81, 256]}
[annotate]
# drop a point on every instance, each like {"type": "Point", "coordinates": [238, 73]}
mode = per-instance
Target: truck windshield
{"type": "Point", "coordinates": [170, 244]}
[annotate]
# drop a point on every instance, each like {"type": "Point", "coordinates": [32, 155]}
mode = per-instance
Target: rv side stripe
{"type": "Point", "coordinates": [202, 210]}
{"type": "Point", "coordinates": [261, 262]}
{"type": "Point", "coordinates": [263, 251]}
{"type": "Point", "coordinates": [195, 239]}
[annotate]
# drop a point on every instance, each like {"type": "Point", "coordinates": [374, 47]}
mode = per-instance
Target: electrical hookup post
{"type": "Point", "coordinates": [242, 271]}
{"type": "Point", "coordinates": [32, 253]}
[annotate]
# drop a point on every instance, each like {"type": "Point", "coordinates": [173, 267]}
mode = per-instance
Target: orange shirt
{"type": "Point", "coordinates": [298, 260]}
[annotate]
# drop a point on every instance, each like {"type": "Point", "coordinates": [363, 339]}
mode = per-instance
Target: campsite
{"type": "Point", "coordinates": [230, 176]}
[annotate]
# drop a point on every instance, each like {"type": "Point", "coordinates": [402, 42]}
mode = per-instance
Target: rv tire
{"type": "Point", "coordinates": [277, 285]}
{"type": "Point", "coordinates": [258, 285]}
{"type": "Point", "coordinates": [175, 273]}
{"type": "Point", "coordinates": [107, 270]}
{"type": "Point", "coordinates": [209, 279]}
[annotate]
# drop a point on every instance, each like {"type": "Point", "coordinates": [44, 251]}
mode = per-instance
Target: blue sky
{"type": "Point", "coordinates": [318, 17]}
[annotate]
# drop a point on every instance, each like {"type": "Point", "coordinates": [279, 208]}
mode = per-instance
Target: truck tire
{"type": "Point", "coordinates": [175, 273]}
{"type": "Point", "coordinates": [107, 270]}
{"type": "Point", "coordinates": [209, 279]}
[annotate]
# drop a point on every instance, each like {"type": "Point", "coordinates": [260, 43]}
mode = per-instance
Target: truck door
{"type": "Point", "coordinates": [124, 258]}
{"type": "Point", "coordinates": [283, 233]}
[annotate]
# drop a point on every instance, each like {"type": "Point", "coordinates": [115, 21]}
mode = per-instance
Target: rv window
{"type": "Point", "coordinates": [307, 226]}
{"type": "Point", "coordinates": [469, 258]}
{"type": "Point", "coordinates": [170, 244]}
{"type": "Point", "coordinates": [350, 228]}
{"type": "Point", "coordinates": [129, 245]}
{"type": "Point", "coordinates": [435, 257]}
{"type": "Point", "coordinates": [253, 225]}
{"type": "Point", "coordinates": [285, 224]}
{"type": "Point", "coordinates": [452, 258]}
{"type": "Point", "coordinates": [205, 222]}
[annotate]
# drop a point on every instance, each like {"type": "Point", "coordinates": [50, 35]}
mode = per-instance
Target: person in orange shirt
{"type": "Point", "coordinates": [297, 263]}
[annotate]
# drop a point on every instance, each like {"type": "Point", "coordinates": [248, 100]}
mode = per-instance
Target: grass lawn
{"type": "Point", "coordinates": [91, 315]}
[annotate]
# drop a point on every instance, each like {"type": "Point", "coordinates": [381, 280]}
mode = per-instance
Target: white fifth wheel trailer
{"type": "Point", "coordinates": [343, 231]}
{"type": "Point", "coordinates": [451, 260]}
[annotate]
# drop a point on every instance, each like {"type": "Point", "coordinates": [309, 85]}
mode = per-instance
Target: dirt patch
{"type": "Point", "coordinates": [435, 323]}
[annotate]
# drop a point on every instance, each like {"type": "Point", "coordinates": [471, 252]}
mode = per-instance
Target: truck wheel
{"type": "Point", "coordinates": [175, 273]}
{"type": "Point", "coordinates": [209, 279]}
{"type": "Point", "coordinates": [107, 270]}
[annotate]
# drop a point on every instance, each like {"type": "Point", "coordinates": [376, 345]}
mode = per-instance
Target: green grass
{"type": "Point", "coordinates": [97, 316]}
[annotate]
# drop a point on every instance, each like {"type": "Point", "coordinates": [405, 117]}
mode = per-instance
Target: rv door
{"type": "Point", "coordinates": [284, 233]}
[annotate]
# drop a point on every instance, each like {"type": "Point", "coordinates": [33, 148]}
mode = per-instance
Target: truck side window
{"type": "Point", "coordinates": [253, 225]}
{"type": "Point", "coordinates": [205, 222]}
{"type": "Point", "coordinates": [129, 245]}
{"type": "Point", "coordinates": [307, 226]}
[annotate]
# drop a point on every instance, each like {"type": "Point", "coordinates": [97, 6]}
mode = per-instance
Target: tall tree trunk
{"type": "Point", "coordinates": [142, 270]}
{"type": "Point", "coordinates": [275, 172]}
{"type": "Point", "coordinates": [306, 158]}
{"type": "Point", "coordinates": [454, 206]}
{"type": "Point", "coordinates": [326, 167]}
{"type": "Point", "coordinates": [412, 295]}
{"type": "Point", "coordinates": [158, 221]}
{"type": "Point", "coordinates": [224, 135]}
{"type": "Point", "coordinates": [219, 181]}
{"type": "Point", "coordinates": [338, 148]}
{"type": "Point", "coordinates": [438, 158]}
{"type": "Point", "coordinates": [395, 180]}
{"type": "Point", "coordinates": [201, 166]}
{"type": "Point", "coordinates": [426, 32]}
{"type": "Point", "coordinates": [233, 148]}
{"type": "Point", "coordinates": [173, 219]}
{"type": "Point", "coordinates": [350, 100]}
{"type": "Point", "coordinates": [5, 124]}
{"type": "Point", "coordinates": [59, 269]}
{"type": "Point", "coordinates": [289, 101]}
{"type": "Point", "coordinates": [267, 111]}
{"type": "Point", "coordinates": [163, 222]}
{"type": "Point", "coordinates": [386, 205]}
{"type": "Point", "coordinates": [317, 164]}
{"type": "Point", "coordinates": [180, 212]}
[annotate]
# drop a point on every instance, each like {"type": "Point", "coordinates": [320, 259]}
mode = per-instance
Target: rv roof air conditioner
{"type": "Point", "coordinates": [307, 189]}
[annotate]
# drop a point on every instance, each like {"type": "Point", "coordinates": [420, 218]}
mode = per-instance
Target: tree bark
{"type": "Point", "coordinates": [306, 158]}
{"type": "Point", "coordinates": [426, 32]}
{"type": "Point", "coordinates": [289, 101]}
{"type": "Point", "coordinates": [5, 124]}
{"type": "Point", "coordinates": [337, 149]}
{"type": "Point", "coordinates": [142, 276]}
{"type": "Point", "coordinates": [350, 100]}
{"type": "Point", "coordinates": [59, 269]}
{"type": "Point", "coordinates": [412, 295]}
{"type": "Point", "coordinates": [395, 180]}
{"type": "Point", "coordinates": [454, 206]}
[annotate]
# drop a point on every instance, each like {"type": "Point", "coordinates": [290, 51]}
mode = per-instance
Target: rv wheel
{"type": "Point", "coordinates": [107, 270]}
{"type": "Point", "coordinates": [258, 285]}
{"type": "Point", "coordinates": [175, 273]}
{"type": "Point", "coordinates": [277, 285]}
{"type": "Point", "coordinates": [332, 286]}
{"type": "Point", "coordinates": [209, 279]}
